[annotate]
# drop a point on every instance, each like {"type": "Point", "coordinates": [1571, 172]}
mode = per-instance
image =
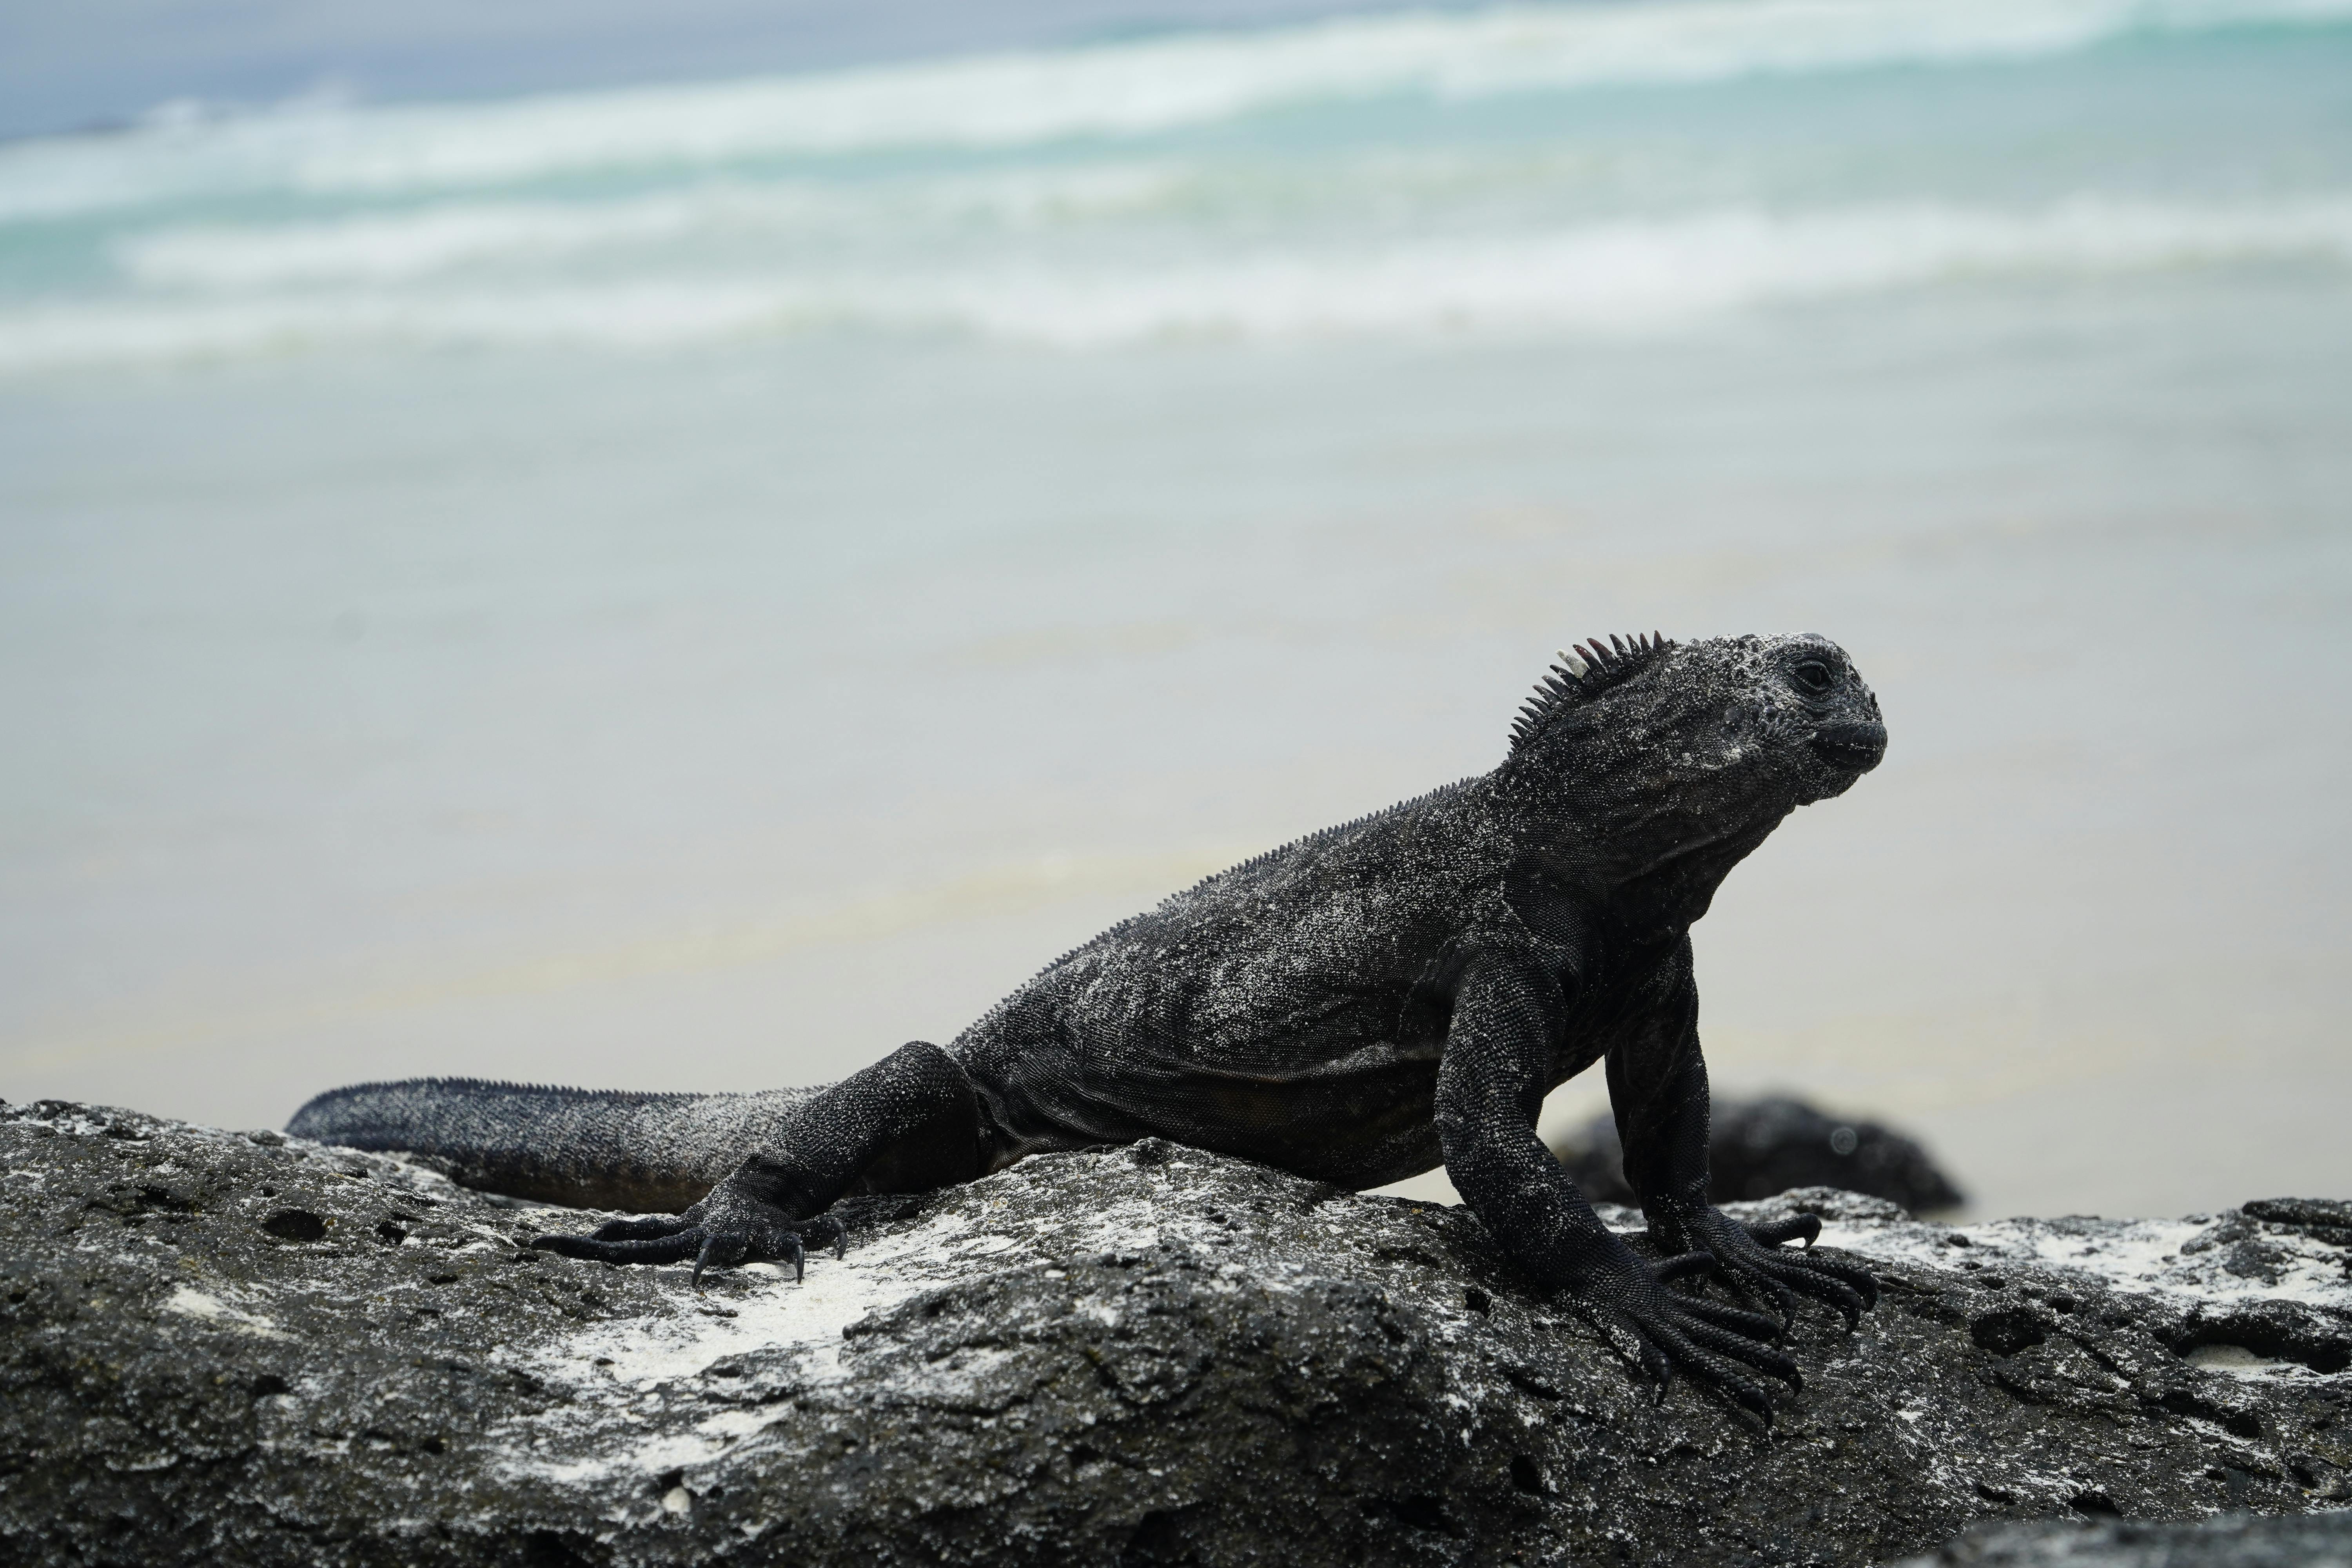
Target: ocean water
{"type": "Point", "coordinates": [692, 585]}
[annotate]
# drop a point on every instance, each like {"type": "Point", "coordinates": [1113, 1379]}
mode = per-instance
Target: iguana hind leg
{"type": "Point", "coordinates": [909, 1123]}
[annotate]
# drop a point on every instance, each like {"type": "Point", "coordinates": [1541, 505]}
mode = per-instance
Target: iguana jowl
{"type": "Point", "coordinates": [1355, 1006]}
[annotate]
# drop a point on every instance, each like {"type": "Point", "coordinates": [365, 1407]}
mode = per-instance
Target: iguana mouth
{"type": "Point", "coordinates": [1858, 746]}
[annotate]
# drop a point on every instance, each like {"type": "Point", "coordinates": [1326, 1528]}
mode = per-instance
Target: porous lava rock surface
{"type": "Point", "coordinates": [231, 1348]}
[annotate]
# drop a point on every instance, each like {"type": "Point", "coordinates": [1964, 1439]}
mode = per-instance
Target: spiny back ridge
{"type": "Point", "coordinates": [1583, 672]}
{"type": "Point", "coordinates": [508, 1085]}
{"type": "Point", "coordinates": [474, 1086]}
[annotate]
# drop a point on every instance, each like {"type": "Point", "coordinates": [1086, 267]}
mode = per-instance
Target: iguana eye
{"type": "Point", "coordinates": [1813, 676]}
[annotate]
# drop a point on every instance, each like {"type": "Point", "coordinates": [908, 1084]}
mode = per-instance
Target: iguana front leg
{"type": "Point", "coordinates": [1658, 1092]}
{"type": "Point", "coordinates": [909, 1123]}
{"type": "Point", "coordinates": [1490, 1085]}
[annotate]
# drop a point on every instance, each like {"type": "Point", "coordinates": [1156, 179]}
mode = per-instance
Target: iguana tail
{"type": "Point", "coordinates": [593, 1148]}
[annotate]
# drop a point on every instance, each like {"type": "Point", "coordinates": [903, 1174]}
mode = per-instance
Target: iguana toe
{"type": "Point", "coordinates": [712, 1246]}
{"type": "Point", "coordinates": [1752, 1256]}
{"type": "Point", "coordinates": [644, 1228]}
{"type": "Point", "coordinates": [1805, 1227]}
{"type": "Point", "coordinates": [652, 1249]}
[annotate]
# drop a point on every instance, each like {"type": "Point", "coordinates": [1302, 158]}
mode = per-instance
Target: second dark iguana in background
{"type": "Point", "coordinates": [1355, 1006]}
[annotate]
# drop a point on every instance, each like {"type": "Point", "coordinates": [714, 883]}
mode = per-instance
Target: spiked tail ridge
{"type": "Point", "coordinates": [1583, 672]}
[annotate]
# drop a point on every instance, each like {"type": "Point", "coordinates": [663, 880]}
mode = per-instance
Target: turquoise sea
{"type": "Point", "coordinates": [692, 585]}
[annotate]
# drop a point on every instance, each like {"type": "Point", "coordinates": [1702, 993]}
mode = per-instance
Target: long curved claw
{"type": "Point", "coordinates": [827, 1227]}
{"type": "Point", "coordinates": [1661, 1368]}
{"type": "Point", "coordinates": [790, 1251]}
{"type": "Point", "coordinates": [721, 1248]}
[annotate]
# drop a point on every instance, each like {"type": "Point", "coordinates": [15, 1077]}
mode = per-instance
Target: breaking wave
{"type": "Point", "coordinates": [405, 245]}
{"type": "Point", "coordinates": [1120, 90]}
{"type": "Point", "coordinates": [1632, 276]}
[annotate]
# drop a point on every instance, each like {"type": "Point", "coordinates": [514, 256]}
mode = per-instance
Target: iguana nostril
{"type": "Point", "coordinates": [1858, 744]}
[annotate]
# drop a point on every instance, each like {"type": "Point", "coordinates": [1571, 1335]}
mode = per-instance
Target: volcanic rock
{"type": "Point", "coordinates": [238, 1349]}
{"type": "Point", "coordinates": [1757, 1147]}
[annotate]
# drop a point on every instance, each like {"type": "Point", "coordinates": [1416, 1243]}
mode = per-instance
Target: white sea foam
{"type": "Point", "coordinates": [1163, 84]}
{"type": "Point", "coordinates": [1125, 89]}
{"type": "Point", "coordinates": [1631, 276]}
{"type": "Point", "coordinates": [399, 247]}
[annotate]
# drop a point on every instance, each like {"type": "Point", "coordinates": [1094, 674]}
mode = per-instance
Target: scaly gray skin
{"type": "Point", "coordinates": [1355, 1006]}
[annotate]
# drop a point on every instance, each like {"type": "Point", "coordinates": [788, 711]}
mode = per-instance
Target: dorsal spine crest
{"type": "Point", "coordinates": [1583, 672]}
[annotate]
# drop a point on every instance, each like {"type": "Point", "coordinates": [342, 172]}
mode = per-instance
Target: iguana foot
{"type": "Point", "coordinates": [1751, 1257]}
{"type": "Point", "coordinates": [715, 1235]}
{"type": "Point", "coordinates": [1717, 1346]}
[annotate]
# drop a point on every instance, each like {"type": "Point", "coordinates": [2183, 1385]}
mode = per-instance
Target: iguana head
{"type": "Point", "coordinates": [1789, 713]}
{"type": "Point", "coordinates": [1705, 739]}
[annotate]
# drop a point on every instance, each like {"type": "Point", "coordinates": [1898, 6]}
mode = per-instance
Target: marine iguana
{"type": "Point", "coordinates": [1356, 1006]}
